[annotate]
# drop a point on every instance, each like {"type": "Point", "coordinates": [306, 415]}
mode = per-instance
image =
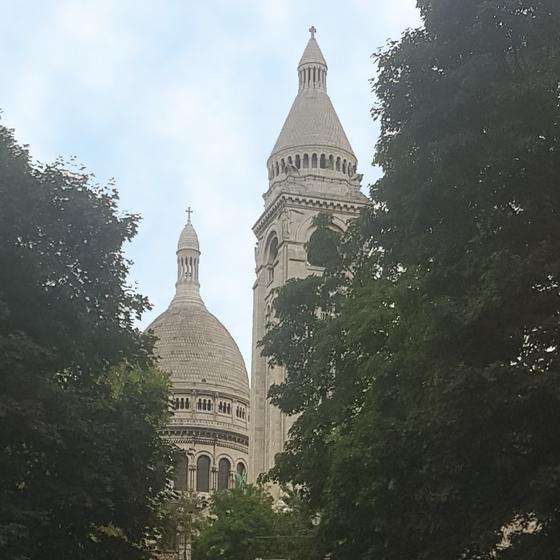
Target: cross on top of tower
{"type": "Point", "coordinates": [312, 30]}
{"type": "Point", "coordinates": [189, 211]}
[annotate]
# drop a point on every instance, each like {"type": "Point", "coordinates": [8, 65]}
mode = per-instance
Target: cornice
{"type": "Point", "coordinates": [191, 434]}
{"type": "Point", "coordinates": [286, 199]}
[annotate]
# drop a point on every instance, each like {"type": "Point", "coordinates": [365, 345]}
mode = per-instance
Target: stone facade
{"type": "Point", "coordinates": [311, 169]}
{"type": "Point", "coordinates": [210, 389]}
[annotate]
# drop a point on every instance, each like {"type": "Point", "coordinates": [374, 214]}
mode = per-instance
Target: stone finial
{"type": "Point", "coordinates": [312, 30]}
{"type": "Point", "coordinates": [189, 211]}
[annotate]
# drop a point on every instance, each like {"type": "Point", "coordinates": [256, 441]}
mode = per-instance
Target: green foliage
{"type": "Point", "coordinates": [83, 467]}
{"type": "Point", "coordinates": [429, 394]}
{"type": "Point", "coordinates": [243, 524]}
{"type": "Point", "coordinates": [181, 516]}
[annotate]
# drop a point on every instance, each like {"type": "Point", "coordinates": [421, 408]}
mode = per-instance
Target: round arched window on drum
{"type": "Point", "coordinates": [224, 471]}
{"type": "Point", "coordinates": [203, 474]}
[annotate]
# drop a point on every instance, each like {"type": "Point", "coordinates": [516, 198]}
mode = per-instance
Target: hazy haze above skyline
{"type": "Point", "coordinates": [182, 102]}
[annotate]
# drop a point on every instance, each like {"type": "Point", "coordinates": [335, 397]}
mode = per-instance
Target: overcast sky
{"type": "Point", "coordinates": [181, 102]}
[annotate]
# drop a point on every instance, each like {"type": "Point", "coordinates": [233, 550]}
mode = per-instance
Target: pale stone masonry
{"type": "Point", "coordinates": [210, 389]}
{"type": "Point", "coordinates": [311, 169]}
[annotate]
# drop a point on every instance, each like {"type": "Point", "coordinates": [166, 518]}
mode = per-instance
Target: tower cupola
{"type": "Point", "coordinates": [187, 287]}
{"type": "Point", "coordinates": [312, 68]}
{"type": "Point", "coordinates": [312, 142]}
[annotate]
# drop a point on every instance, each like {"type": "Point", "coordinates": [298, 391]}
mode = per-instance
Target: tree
{"type": "Point", "coordinates": [244, 524]}
{"type": "Point", "coordinates": [429, 396]}
{"type": "Point", "coordinates": [83, 467]}
{"type": "Point", "coordinates": [181, 514]}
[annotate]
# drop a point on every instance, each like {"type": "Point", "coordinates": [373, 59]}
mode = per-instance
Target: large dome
{"type": "Point", "coordinates": [192, 345]}
{"type": "Point", "coordinates": [196, 349]}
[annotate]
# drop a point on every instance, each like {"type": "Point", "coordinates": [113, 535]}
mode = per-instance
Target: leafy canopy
{"type": "Point", "coordinates": [83, 467]}
{"type": "Point", "coordinates": [243, 523]}
{"type": "Point", "coordinates": [429, 393]}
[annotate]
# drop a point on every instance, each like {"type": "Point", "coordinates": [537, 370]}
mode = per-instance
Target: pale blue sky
{"type": "Point", "coordinates": [181, 102]}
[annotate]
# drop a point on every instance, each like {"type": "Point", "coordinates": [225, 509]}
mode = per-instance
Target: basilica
{"type": "Point", "coordinates": [226, 431]}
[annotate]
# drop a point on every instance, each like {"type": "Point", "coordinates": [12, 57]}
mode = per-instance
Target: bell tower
{"type": "Point", "coordinates": [311, 169]}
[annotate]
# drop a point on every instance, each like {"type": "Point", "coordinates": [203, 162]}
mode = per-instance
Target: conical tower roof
{"type": "Point", "coordinates": [312, 121]}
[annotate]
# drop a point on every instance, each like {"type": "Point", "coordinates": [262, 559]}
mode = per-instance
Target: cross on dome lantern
{"type": "Point", "coordinates": [189, 211]}
{"type": "Point", "coordinates": [312, 30]}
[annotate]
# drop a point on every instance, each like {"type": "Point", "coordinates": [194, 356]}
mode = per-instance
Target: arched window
{"type": "Point", "coordinates": [220, 407]}
{"type": "Point", "coordinates": [283, 165]}
{"type": "Point", "coordinates": [298, 161]}
{"type": "Point", "coordinates": [229, 408]}
{"type": "Point", "coordinates": [210, 405]}
{"type": "Point", "coordinates": [272, 256]}
{"type": "Point", "coordinates": [322, 249]}
{"type": "Point", "coordinates": [305, 161]}
{"type": "Point", "coordinates": [180, 474]}
{"type": "Point", "coordinates": [272, 250]}
{"type": "Point", "coordinates": [314, 160]}
{"type": "Point", "coordinates": [203, 474]}
{"type": "Point", "coordinates": [290, 160]}
{"type": "Point", "coordinates": [276, 170]}
{"type": "Point", "coordinates": [338, 163]}
{"type": "Point", "coordinates": [224, 470]}
{"type": "Point", "coordinates": [323, 161]}
{"type": "Point", "coordinates": [331, 162]}
{"type": "Point", "coordinates": [344, 167]}
{"type": "Point", "coordinates": [199, 404]}
{"type": "Point", "coordinates": [176, 405]}
{"type": "Point", "coordinates": [241, 473]}
{"type": "Point", "coordinates": [182, 405]}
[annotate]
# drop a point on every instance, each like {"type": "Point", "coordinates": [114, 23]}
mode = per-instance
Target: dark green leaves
{"type": "Point", "coordinates": [244, 524]}
{"type": "Point", "coordinates": [429, 393]}
{"type": "Point", "coordinates": [81, 461]}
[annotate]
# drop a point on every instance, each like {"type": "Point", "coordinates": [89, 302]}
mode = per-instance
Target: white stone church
{"type": "Point", "coordinates": [224, 429]}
